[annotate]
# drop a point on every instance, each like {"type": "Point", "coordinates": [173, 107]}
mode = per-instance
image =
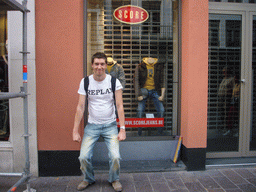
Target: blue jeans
{"type": "Point", "coordinates": [158, 105]}
{"type": "Point", "coordinates": [92, 132]}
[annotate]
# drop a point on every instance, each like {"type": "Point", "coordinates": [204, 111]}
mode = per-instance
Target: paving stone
{"type": "Point", "coordinates": [200, 174]}
{"type": "Point", "coordinates": [127, 182]}
{"type": "Point", "coordinates": [128, 187]}
{"type": "Point", "coordinates": [214, 173]}
{"type": "Point", "coordinates": [216, 190]}
{"type": "Point", "coordinates": [60, 181]}
{"type": "Point", "coordinates": [252, 170]}
{"type": "Point", "coordinates": [73, 183]}
{"type": "Point", "coordinates": [247, 187]}
{"type": "Point", "coordinates": [57, 188]}
{"type": "Point", "coordinates": [171, 185]}
{"type": "Point", "coordinates": [234, 190]}
{"type": "Point", "coordinates": [137, 177]}
{"type": "Point", "coordinates": [106, 187]}
{"type": "Point", "coordinates": [170, 175]}
{"type": "Point", "coordinates": [181, 190]}
{"type": "Point", "coordinates": [71, 189]}
{"type": "Point", "coordinates": [156, 177]}
{"type": "Point", "coordinates": [208, 182]}
{"type": "Point", "coordinates": [160, 187]}
{"type": "Point", "coordinates": [187, 177]}
{"type": "Point", "coordinates": [233, 176]}
{"type": "Point", "coordinates": [179, 183]}
{"type": "Point", "coordinates": [195, 187]}
{"type": "Point", "coordinates": [95, 187]}
{"type": "Point", "coordinates": [225, 183]}
{"type": "Point", "coordinates": [143, 186]}
{"type": "Point", "coordinates": [252, 181]}
{"type": "Point", "coordinates": [245, 173]}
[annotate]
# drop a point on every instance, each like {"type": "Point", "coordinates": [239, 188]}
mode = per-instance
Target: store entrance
{"type": "Point", "coordinates": [231, 96]}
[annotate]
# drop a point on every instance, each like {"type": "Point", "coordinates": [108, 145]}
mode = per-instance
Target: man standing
{"type": "Point", "coordinates": [101, 121]}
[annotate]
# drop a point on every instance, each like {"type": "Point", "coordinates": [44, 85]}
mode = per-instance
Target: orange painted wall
{"type": "Point", "coordinates": [59, 69]}
{"type": "Point", "coordinates": [59, 66]}
{"type": "Point", "coordinates": [194, 73]}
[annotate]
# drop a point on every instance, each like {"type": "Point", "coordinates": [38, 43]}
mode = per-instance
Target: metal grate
{"type": "Point", "coordinates": [224, 57]}
{"type": "Point", "coordinates": [130, 44]}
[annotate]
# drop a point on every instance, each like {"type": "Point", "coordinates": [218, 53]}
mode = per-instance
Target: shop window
{"type": "Point", "coordinates": [4, 104]}
{"type": "Point", "coordinates": [129, 45]}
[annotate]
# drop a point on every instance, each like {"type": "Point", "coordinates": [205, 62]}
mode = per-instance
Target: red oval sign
{"type": "Point", "coordinates": [130, 14]}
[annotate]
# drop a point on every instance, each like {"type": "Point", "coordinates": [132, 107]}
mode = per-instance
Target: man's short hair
{"type": "Point", "coordinates": [99, 55]}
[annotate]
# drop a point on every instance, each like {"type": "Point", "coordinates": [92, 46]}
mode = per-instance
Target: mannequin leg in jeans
{"type": "Point", "coordinates": [140, 111]}
{"type": "Point", "coordinates": [158, 105]}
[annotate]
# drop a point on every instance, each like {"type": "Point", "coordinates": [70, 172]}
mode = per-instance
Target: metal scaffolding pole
{"type": "Point", "coordinates": [24, 89]}
{"type": "Point", "coordinates": [13, 5]}
{"type": "Point", "coordinates": [4, 96]}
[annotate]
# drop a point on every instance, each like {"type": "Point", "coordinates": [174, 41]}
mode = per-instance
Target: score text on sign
{"type": "Point", "coordinates": [131, 14]}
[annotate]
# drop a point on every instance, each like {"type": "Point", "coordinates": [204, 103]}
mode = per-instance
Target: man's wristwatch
{"type": "Point", "coordinates": [122, 127]}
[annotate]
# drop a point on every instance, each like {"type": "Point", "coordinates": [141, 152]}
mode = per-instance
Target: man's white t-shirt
{"type": "Point", "coordinates": [101, 108]}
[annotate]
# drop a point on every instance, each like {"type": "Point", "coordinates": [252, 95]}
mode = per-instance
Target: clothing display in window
{"type": "Point", "coordinates": [116, 70]}
{"type": "Point", "coordinates": [149, 83]}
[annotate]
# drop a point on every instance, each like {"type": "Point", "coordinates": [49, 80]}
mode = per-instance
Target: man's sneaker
{"type": "Point", "coordinates": [83, 185]}
{"type": "Point", "coordinates": [117, 186]}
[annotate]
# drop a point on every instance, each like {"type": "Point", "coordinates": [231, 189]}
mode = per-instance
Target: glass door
{"type": "Point", "coordinates": [232, 84]}
{"type": "Point", "coordinates": [252, 138]}
{"type": "Point", "coordinates": [224, 86]}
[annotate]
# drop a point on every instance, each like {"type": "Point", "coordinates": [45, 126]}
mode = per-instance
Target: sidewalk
{"type": "Point", "coordinates": [210, 180]}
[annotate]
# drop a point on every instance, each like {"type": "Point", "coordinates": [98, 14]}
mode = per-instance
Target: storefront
{"type": "Point", "coordinates": [157, 36]}
{"type": "Point", "coordinates": [66, 34]}
{"type": "Point", "coordinates": [191, 43]}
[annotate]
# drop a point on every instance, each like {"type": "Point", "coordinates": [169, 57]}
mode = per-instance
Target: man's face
{"type": "Point", "coordinates": [99, 66]}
